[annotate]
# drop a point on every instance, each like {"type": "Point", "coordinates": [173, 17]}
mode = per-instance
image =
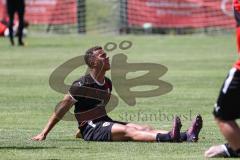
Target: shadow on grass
{"type": "Point", "coordinates": [30, 147]}
{"type": "Point", "coordinates": [70, 140]}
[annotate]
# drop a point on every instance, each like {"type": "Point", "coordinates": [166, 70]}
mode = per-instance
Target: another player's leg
{"type": "Point", "coordinates": [231, 132]}
{"type": "Point", "coordinates": [10, 8]}
{"type": "Point", "coordinates": [226, 112]}
{"type": "Point", "coordinates": [21, 9]}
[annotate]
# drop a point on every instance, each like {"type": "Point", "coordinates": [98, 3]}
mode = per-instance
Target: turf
{"type": "Point", "coordinates": [197, 66]}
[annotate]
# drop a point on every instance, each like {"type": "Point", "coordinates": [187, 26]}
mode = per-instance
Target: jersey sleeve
{"type": "Point", "coordinates": [75, 90]}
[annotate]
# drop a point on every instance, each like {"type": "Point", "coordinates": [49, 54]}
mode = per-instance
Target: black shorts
{"type": "Point", "coordinates": [98, 131]}
{"type": "Point", "coordinates": [228, 103]}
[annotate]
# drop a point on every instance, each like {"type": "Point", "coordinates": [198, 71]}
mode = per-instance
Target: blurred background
{"type": "Point", "coordinates": [127, 16]}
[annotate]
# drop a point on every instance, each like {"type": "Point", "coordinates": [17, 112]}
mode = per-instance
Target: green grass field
{"type": "Point", "coordinates": [197, 66]}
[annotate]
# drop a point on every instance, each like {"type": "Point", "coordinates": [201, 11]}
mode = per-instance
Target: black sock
{"type": "Point", "coordinates": [183, 136]}
{"type": "Point", "coordinates": [230, 152]}
{"type": "Point", "coordinates": [163, 137]}
{"type": "Point", "coordinates": [238, 152]}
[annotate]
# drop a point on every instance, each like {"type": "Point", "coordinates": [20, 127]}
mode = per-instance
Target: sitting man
{"type": "Point", "coordinates": [100, 127]}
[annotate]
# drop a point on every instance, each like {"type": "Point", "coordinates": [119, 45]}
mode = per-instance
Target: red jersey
{"type": "Point", "coordinates": [236, 6]}
{"type": "Point", "coordinates": [237, 64]}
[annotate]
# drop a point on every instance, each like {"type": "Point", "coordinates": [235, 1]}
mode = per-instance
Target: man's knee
{"type": "Point", "coordinates": [140, 127]}
{"type": "Point", "coordinates": [123, 132]}
{"type": "Point", "coordinates": [130, 132]}
{"type": "Point", "coordinates": [147, 128]}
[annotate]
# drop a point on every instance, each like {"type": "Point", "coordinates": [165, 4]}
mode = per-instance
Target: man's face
{"type": "Point", "coordinates": [101, 60]}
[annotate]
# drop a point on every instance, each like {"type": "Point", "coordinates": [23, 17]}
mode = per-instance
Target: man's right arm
{"type": "Point", "coordinates": [63, 107]}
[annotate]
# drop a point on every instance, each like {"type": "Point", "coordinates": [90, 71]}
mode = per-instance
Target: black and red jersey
{"type": "Point", "coordinates": [89, 93]}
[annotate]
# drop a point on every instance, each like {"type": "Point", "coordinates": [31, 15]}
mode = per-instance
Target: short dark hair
{"type": "Point", "coordinates": [89, 55]}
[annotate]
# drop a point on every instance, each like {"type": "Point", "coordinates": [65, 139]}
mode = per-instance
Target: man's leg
{"type": "Point", "coordinates": [191, 135]}
{"type": "Point", "coordinates": [226, 111]}
{"type": "Point", "coordinates": [231, 132]}
{"type": "Point", "coordinates": [126, 133]}
{"type": "Point", "coordinates": [146, 128]}
{"type": "Point", "coordinates": [11, 11]}
{"type": "Point", "coordinates": [133, 125]}
{"type": "Point", "coordinates": [121, 132]}
{"type": "Point", "coordinates": [21, 10]}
